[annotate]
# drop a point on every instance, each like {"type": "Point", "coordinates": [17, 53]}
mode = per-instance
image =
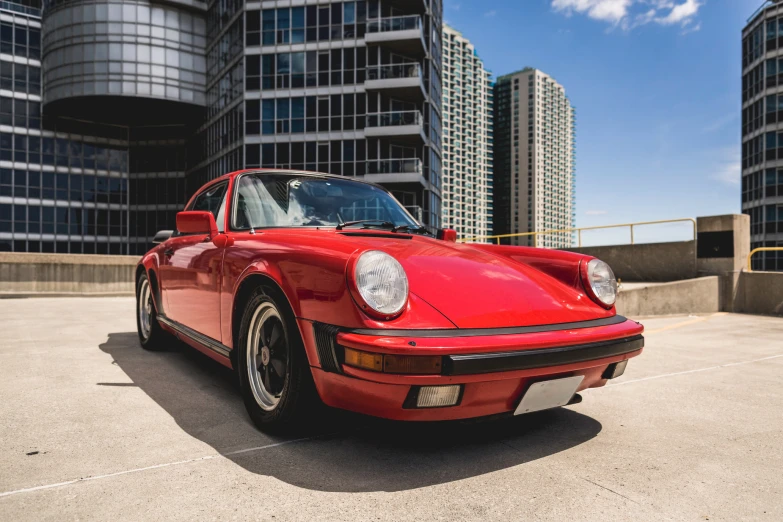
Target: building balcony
{"type": "Point", "coordinates": [401, 81]}
{"type": "Point", "coordinates": [404, 34]}
{"type": "Point", "coordinates": [402, 125]}
{"type": "Point", "coordinates": [395, 166]}
{"type": "Point", "coordinates": [415, 211]}
{"type": "Point", "coordinates": [395, 170]}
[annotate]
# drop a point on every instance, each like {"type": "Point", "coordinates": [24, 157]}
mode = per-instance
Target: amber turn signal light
{"type": "Point", "coordinates": [365, 360]}
{"type": "Point", "coordinates": [421, 364]}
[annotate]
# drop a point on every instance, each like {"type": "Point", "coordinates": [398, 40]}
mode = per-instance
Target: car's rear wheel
{"type": "Point", "coordinates": [274, 376]}
{"type": "Point", "coordinates": [151, 335]}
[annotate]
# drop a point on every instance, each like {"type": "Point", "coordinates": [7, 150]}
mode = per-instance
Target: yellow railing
{"type": "Point", "coordinates": [762, 249]}
{"type": "Point", "coordinates": [579, 230]}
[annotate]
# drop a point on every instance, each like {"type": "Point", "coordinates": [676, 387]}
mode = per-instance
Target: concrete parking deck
{"type": "Point", "coordinates": [93, 427]}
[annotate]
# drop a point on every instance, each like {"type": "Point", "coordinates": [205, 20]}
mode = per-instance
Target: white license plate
{"type": "Point", "coordinates": [548, 394]}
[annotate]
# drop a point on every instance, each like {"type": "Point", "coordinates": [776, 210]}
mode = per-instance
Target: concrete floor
{"type": "Point", "coordinates": [93, 427]}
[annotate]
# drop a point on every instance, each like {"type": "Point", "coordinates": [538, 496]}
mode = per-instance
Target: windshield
{"type": "Point", "coordinates": [291, 200]}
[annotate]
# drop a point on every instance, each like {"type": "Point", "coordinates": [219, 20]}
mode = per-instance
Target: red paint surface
{"type": "Point", "coordinates": [452, 286]}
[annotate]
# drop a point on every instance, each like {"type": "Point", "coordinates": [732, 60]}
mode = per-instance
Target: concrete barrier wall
{"type": "Point", "coordinates": [656, 262]}
{"type": "Point", "coordinates": [22, 273]}
{"type": "Point", "coordinates": [759, 293]}
{"type": "Point", "coordinates": [753, 292]}
{"type": "Point", "coordinates": [700, 295]}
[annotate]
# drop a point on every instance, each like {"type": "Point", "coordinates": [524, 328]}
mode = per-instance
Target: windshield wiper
{"type": "Point", "coordinates": [374, 222]}
{"type": "Point", "coordinates": [416, 229]}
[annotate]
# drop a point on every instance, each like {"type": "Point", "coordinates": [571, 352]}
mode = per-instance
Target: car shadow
{"type": "Point", "coordinates": [344, 451]}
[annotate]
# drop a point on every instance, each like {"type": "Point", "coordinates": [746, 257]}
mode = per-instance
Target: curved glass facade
{"type": "Point", "coordinates": [128, 48]}
{"type": "Point", "coordinates": [762, 137]}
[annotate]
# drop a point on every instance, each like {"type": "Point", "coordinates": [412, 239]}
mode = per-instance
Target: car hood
{"type": "Point", "coordinates": [477, 289]}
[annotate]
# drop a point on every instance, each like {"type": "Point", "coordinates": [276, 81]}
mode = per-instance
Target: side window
{"type": "Point", "coordinates": [213, 200]}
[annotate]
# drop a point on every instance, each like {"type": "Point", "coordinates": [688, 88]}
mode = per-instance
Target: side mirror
{"type": "Point", "coordinates": [162, 236]}
{"type": "Point", "coordinates": [196, 222]}
{"type": "Point", "coordinates": [447, 234]}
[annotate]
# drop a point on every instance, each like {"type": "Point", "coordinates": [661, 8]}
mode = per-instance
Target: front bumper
{"type": "Point", "coordinates": [494, 367]}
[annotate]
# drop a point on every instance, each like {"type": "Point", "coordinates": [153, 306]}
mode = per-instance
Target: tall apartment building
{"type": "Point", "coordinates": [762, 132]}
{"type": "Point", "coordinates": [467, 138]}
{"type": "Point", "coordinates": [350, 88]}
{"type": "Point", "coordinates": [534, 151]}
{"type": "Point", "coordinates": [140, 102]}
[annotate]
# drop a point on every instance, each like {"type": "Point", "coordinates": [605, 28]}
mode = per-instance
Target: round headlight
{"type": "Point", "coordinates": [602, 282]}
{"type": "Point", "coordinates": [381, 282]}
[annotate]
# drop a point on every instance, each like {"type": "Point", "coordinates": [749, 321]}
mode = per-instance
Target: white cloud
{"type": "Point", "coordinates": [729, 170]}
{"type": "Point", "coordinates": [491, 13]}
{"type": "Point", "coordinates": [645, 18]}
{"type": "Point", "coordinates": [691, 29]}
{"type": "Point", "coordinates": [681, 13]}
{"type": "Point", "coordinates": [722, 122]}
{"type": "Point", "coordinates": [604, 10]}
{"type": "Point", "coordinates": [596, 212]}
{"type": "Point", "coordinates": [729, 173]}
{"type": "Point", "coordinates": [633, 13]}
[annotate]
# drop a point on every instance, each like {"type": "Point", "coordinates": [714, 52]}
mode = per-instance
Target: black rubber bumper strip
{"type": "Point", "coordinates": [539, 358]}
{"type": "Point", "coordinates": [474, 332]}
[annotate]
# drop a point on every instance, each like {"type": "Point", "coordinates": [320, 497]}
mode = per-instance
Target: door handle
{"type": "Point", "coordinates": [168, 252]}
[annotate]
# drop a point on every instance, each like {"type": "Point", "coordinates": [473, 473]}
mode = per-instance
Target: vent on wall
{"type": "Point", "coordinates": [715, 244]}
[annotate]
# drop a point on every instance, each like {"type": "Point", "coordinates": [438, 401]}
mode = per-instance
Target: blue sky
{"type": "Point", "coordinates": [656, 85]}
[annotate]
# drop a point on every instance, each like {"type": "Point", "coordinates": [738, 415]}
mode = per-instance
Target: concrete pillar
{"type": "Point", "coordinates": [722, 248]}
{"type": "Point", "coordinates": [723, 243]}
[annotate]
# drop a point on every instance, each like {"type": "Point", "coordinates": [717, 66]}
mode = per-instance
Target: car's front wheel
{"type": "Point", "coordinates": [274, 376]}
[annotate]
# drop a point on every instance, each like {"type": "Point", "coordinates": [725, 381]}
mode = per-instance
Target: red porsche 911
{"type": "Point", "coordinates": [323, 288]}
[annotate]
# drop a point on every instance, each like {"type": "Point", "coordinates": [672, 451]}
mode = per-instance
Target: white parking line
{"type": "Point", "coordinates": [684, 323]}
{"type": "Point", "coordinates": [157, 466]}
{"type": "Point", "coordinates": [696, 370]}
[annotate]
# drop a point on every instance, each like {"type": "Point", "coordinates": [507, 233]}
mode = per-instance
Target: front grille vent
{"type": "Point", "coordinates": [325, 341]}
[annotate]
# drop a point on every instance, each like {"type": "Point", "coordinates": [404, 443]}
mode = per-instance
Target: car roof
{"type": "Point", "coordinates": [307, 173]}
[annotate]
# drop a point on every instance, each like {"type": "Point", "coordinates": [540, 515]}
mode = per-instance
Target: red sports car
{"type": "Point", "coordinates": [317, 287]}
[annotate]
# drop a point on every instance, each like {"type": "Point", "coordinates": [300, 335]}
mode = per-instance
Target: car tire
{"type": "Point", "coordinates": [274, 375]}
{"type": "Point", "coordinates": [151, 335]}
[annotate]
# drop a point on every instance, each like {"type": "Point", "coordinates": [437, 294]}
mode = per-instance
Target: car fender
{"type": "Point", "coordinates": [150, 263]}
{"type": "Point", "coordinates": [322, 295]}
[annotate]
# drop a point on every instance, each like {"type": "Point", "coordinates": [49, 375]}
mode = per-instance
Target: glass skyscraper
{"type": "Point", "coordinates": [351, 88]}
{"type": "Point", "coordinates": [762, 137]}
{"type": "Point", "coordinates": [142, 102]}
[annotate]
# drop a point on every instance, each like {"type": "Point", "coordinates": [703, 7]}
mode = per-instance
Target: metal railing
{"type": "Point", "coordinates": [579, 230]}
{"type": "Point", "coordinates": [415, 211]}
{"type": "Point", "coordinates": [394, 23]}
{"type": "Point", "coordinates": [394, 166]}
{"type": "Point", "coordinates": [20, 8]}
{"type": "Point", "coordinates": [395, 118]}
{"type": "Point", "coordinates": [761, 249]}
{"type": "Point", "coordinates": [395, 71]}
